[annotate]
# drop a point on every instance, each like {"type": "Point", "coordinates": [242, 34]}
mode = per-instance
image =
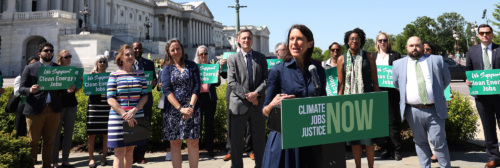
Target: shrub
{"type": "Point", "coordinates": [220, 119]}
{"type": "Point", "coordinates": [14, 152]}
{"type": "Point", "coordinates": [7, 120]}
{"type": "Point", "coordinates": [462, 122]}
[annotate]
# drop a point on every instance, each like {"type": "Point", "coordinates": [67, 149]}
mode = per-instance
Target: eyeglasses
{"type": "Point", "coordinates": [335, 49]}
{"type": "Point", "coordinates": [357, 39]}
{"type": "Point", "coordinates": [428, 49]}
{"type": "Point", "coordinates": [202, 54]}
{"type": "Point", "coordinates": [68, 57]}
{"type": "Point", "coordinates": [48, 50]}
{"type": "Point", "coordinates": [383, 40]}
{"type": "Point", "coordinates": [101, 62]}
{"type": "Point", "coordinates": [484, 33]}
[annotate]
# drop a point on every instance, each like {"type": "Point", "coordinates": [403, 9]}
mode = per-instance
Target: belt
{"type": "Point", "coordinates": [422, 106]}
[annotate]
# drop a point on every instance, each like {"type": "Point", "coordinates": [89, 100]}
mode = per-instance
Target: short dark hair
{"type": "Point", "coordinates": [330, 47]}
{"type": "Point", "coordinates": [43, 45]}
{"type": "Point", "coordinates": [168, 57]}
{"type": "Point", "coordinates": [433, 46]}
{"type": "Point", "coordinates": [358, 31]}
{"type": "Point", "coordinates": [308, 35]}
{"type": "Point", "coordinates": [484, 25]}
{"type": "Point", "coordinates": [31, 59]}
{"type": "Point", "coordinates": [121, 53]}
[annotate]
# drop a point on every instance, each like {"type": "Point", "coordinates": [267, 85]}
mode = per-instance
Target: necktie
{"type": "Point", "coordinates": [250, 71]}
{"type": "Point", "coordinates": [422, 90]}
{"type": "Point", "coordinates": [486, 59]}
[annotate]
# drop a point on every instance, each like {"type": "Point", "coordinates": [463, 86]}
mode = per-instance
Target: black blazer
{"type": "Point", "coordinates": [35, 102]}
{"type": "Point", "coordinates": [149, 65]}
{"type": "Point", "coordinates": [475, 57]}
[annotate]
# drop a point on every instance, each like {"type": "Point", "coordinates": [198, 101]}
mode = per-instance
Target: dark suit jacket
{"type": "Point", "coordinates": [475, 57]}
{"type": "Point", "coordinates": [149, 66]}
{"type": "Point", "coordinates": [35, 102]}
{"type": "Point", "coordinates": [238, 81]}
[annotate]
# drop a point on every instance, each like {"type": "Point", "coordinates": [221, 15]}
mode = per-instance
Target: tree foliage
{"type": "Point", "coordinates": [496, 23]}
{"type": "Point", "coordinates": [317, 54]}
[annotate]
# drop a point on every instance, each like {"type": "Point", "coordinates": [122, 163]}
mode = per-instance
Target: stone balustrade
{"type": "Point", "coordinates": [43, 15]}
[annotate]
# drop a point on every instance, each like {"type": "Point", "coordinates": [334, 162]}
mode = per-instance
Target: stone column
{"type": "Point", "coordinates": [102, 15]}
{"type": "Point", "coordinates": [211, 34]}
{"type": "Point", "coordinates": [182, 32]}
{"type": "Point", "coordinates": [156, 26]}
{"type": "Point", "coordinates": [58, 5]}
{"type": "Point", "coordinates": [70, 5]}
{"type": "Point", "coordinates": [27, 6]}
{"type": "Point", "coordinates": [166, 28]}
{"type": "Point", "coordinates": [189, 34]}
{"type": "Point", "coordinates": [179, 29]}
{"type": "Point", "coordinates": [170, 27]}
{"type": "Point", "coordinates": [94, 12]}
{"type": "Point", "coordinates": [11, 6]}
{"type": "Point", "coordinates": [42, 5]}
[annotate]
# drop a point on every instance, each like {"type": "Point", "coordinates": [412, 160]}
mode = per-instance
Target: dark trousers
{"type": "Point", "coordinates": [248, 134]}
{"type": "Point", "coordinates": [20, 125]}
{"type": "Point", "coordinates": [238, 125]}
{"type": "Point", "coordinates": [207, 108]}
{"type": "Point", "coordinates": [489, 112]}
{"type": "Point", "coordinates": [393, 144]}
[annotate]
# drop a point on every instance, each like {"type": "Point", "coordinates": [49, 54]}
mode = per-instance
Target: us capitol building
{"type": "Point", "coordinates": [26, 23]}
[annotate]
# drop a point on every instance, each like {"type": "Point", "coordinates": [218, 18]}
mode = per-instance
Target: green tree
{"type": "Point", "coordinates": [496, 22]}
{"type": "Point", "coordinates": [447, 23]}
{"type": "Point", "coordinates": [317, 54]}
{"type": "Point", "coordinates": [326, 54]}
{"type": "Point", "coordinates": [369, 45]}
{"type": "Point", "coordinates": [399, 44]}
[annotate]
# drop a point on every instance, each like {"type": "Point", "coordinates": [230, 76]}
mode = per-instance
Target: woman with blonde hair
{"type": "Point", "coordinates": [67, 118]}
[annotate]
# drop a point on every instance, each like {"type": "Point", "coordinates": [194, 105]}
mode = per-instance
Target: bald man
{"type": "Point", "coordinates": [423, 104]}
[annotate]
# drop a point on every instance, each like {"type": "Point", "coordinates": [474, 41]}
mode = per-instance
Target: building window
{"type": "Point", "coordinates": [121, 13]}
{"type": "Point", "coordinates": [131, 16]}
{"type": "Point", "coordinates": [140, 17]}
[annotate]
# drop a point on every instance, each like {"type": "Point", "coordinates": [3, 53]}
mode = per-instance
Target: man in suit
{"type": "Point", "coordinates": [42, 108]}
{"type": "Point", "coordinates": [421, 80]}
{"type": "Point", "coordinates": [143, 64]}
{"type": "Point", "coordinates": [247, 76]}
{"type": "Point", "coordinates": [486, 56]}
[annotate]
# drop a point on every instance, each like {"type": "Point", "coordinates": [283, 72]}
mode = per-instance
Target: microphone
{"type": "Point", "coordinates": [315, 79]}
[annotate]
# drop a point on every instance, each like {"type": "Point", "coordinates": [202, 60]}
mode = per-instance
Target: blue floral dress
{"type": "Point", "coordinates": [174, 127]}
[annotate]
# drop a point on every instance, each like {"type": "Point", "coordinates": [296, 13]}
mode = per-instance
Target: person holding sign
{"type": "Point", "coordinates": [67, 117]}
{"type": "Point", "coordinates": [43, 107]}
{"type": "Point", "coordinates": [98, 116]}
{"type": "Point", "coordinates": [421, 80]}
{"type": "Point", "coordinates": [335, 52]}
{"type": "Point", "coordinates": [285, 81]}
{"type": "Point", "coordinates": [208, 96]}
{"type": "Point", "coordinates": [181, 120]}
{"type": "Point", "coordinates": [357, 74]}
{"type": "Point", "coordinates": [144, 65]}
{"type": "Point", "coordinates": [385, 56]}
{"type": "Point", "coordinates": [127, 93]}
{"type": "Point", "coordinates": [486, 56]}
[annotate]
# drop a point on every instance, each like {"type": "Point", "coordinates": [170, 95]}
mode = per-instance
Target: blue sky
{"type": "Point", "coordinates": [330, 19]}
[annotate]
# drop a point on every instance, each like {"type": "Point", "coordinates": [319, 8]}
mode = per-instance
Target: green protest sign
{"type": "Point", "coordinates": [56, 78]}
{"type": "Point", "coordinates": [79, 80]}
{"type": "Point", "coordinates": [226, 56]}
{"type": "Point", "coordinates": [331, 81]}
{"type": "Point", "coordinates": [325, 120]}
{"type": "Point", "coordinates": [95, 83]}
{"type": "Point", "coordinates": [149, 80]}
{"type": "Point", "coordinates": [384, 74]}
{"type": "Point", "coordinates": [272, 62]}
{"type": "Point", "coordinates": [447, 93]}
{"type": "Point", "coordinates": [209, 73]}
{"type": "Point", "coordinates": [484, 82]}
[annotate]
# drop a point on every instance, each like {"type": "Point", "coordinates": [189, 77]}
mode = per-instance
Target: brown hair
{"type": "Point", "coordinates": [389, 48]}
{"type": "Point", "coordinates": [484, 25]}
{"type": "Point", "coordinates": [59, 56]}
{"type": "Point", "coordinates": [168, 56]}
{"type": "Point", "coordinates": [121, 53]}
{"type": "Point", "coordinates": [308, 35]}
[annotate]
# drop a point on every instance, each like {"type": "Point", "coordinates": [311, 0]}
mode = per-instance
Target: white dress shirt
{"type": "Point", "coordinates": [412, 96]}
{"type": "Point", "coordinates": [381, 60]}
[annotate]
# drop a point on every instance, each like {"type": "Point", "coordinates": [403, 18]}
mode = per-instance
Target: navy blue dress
{"type": "Point", "coordinates": [287, 78]}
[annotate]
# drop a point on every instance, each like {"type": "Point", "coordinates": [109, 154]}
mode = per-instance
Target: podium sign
{"type": "Point", "coordinates": [331, 119]}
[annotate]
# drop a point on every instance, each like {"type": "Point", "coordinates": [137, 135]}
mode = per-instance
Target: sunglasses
{"type": "Point", "coordinates": [484, 33]}
{"type": "Point", "coordinates": [101, 62]}
{"type": "Point", "coordinates": [68, 57]}
{"type": "Point", "coordinates": [48, 50]}
{"type": "Point", "coordinates": [427, 49]}
{"type": "Point", "coordinates": [202, 54]}
{"type": "Point", "coordinates": [334, 49]}
{"type": "Point", "coordinates": [383, 40]}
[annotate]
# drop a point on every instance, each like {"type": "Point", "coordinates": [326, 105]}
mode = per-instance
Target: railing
{"type": "Point", "coordinates": [168, 3]}
{"type": "Point", "coordinates": [72, 31]}
{"type": "Point", "coordinates": [44, 14]}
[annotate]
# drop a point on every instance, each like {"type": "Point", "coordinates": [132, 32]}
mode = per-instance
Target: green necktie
{"type": "Point", "coordinates": [422, 90]}
{"type": "Point", "coordinates": [486, 59]}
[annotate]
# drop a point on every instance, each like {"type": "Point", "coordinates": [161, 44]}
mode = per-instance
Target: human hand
{"type": "Point", "coordinates": [468, 83]}
{"type": "Point", "coordinates": [277, 99]}
{"type": "Point", "coordinates": [34, 88]}
{"type": "Point", "coordinates": [187, 111]}
{"type": "Point", "coordinates": [222, 62]}
{"type": "Point", "coordinates": [132, 122]}
{"type": "Point", "coordinates": [71, 89]}
{"type": "Point", "coordinates": [130, 114]}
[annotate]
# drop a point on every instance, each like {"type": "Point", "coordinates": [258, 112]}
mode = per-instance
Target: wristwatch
{"type": "Point", "coordinates": [191, 106]}
{"type": "Point", "coordinates": [179, 108]}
